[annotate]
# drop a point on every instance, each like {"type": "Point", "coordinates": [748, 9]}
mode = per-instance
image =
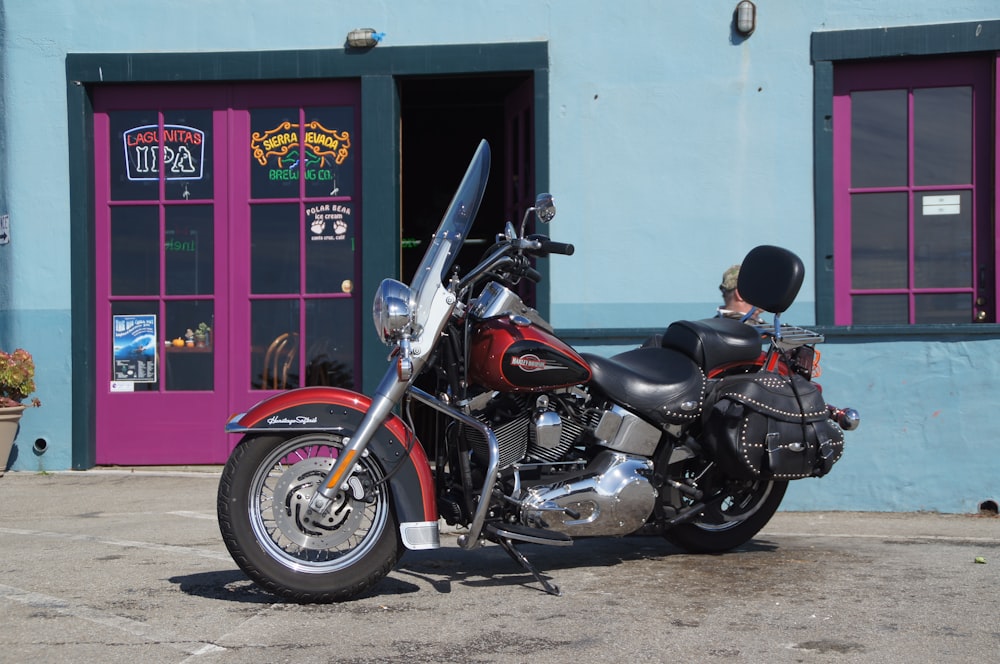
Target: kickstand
{"type": "Point", "coordinates": [508, 546]}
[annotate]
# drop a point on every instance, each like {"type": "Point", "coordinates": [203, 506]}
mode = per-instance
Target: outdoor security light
{"type": "Point", "coordinates": [363, 38]}
{"type": "Point", "coordinates": [745, 17]}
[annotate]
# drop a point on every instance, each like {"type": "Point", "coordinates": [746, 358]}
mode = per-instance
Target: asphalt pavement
{"type": "Point", "coordinates": [128, 566]}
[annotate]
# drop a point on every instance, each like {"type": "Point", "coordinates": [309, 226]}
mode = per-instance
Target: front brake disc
{"type": "Point", "coordinates": [292, 493]}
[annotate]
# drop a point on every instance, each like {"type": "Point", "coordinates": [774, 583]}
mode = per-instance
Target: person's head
{"type": "Point", "coordinates": [730, 294]}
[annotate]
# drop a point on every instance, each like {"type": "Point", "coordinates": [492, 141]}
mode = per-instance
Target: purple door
{"type": "Point", "coordinates": [226, 247]}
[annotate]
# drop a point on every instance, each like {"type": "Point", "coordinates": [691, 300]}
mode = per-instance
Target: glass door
{"type": "Point", "coordinates": [161, 235]}
{"type": "Point", "coordinates": [227, 253]}
{"type": "Point", "coordinates": [296, 183]}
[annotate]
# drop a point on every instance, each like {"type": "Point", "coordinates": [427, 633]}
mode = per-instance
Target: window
{"type": "Point", "coordinates": [905, 139]}
{"type": "Point", "coordinates": [913, 144]}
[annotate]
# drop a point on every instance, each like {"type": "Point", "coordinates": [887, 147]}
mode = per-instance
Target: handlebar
{"type": "Point", "coordinates": [547, 246]}
{"type": "Point", "coordinates": [500, 257]}
{"type": "Point", "coordinates": [563, 248]}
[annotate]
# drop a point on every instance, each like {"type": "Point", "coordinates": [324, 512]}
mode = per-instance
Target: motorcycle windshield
{"type": "Point", "coordinates": [455, 224]}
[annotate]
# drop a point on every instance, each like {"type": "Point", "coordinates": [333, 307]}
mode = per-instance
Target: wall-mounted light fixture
{"type": "Point", "coordinates": [745, 17]}
{"type": "Point", "coordinates": [363, 38]}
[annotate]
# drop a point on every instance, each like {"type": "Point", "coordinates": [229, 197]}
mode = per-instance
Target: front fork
{"type": "Point", "coordinates": [389, 392]}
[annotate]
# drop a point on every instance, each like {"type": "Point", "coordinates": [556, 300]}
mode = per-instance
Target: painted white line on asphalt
{"type": "Point", "coordinates": [210, 516]}
{"type": "Point", "coordinates": [132, 544]}
{"type": "Point", "coordinates": [133, 627]}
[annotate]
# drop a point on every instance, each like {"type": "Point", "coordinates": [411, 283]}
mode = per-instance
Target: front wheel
{"type": "Point", "coordinates": [746, 507]}
{"type": "Point", "coordinates": [265, 489]}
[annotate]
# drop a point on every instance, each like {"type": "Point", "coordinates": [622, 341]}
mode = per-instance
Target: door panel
{"type": "Point", "coordinates": [227, 233]}
{"type": "Point", "coordinates": [296, 180]}
{"type": "Point", "coordinates": [161, 221]}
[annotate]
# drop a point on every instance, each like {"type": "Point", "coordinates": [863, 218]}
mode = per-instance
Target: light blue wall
{"type": "Point", "coordinates": [928, 437]}
{"type": "Point", "coordinates": [674, 149]}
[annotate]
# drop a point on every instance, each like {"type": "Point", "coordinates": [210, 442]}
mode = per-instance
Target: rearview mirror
{"type": "Point", "coordinates": [545, 208]}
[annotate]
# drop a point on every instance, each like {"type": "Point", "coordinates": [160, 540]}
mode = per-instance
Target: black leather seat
{"type": "Point", "coordinates": [661, 384]}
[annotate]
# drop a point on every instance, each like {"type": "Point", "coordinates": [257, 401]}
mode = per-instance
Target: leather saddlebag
{"type": "Point", "coordinates": [769, 426]}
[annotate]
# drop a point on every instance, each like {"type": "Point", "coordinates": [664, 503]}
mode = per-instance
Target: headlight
{"type": "Point", "coordinates": [391, 310]}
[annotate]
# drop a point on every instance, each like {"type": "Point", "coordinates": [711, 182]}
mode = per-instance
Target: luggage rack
{"type": "Point", "coordinates": [790, 336]}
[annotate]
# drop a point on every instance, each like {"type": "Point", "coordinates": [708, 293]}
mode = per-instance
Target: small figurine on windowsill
{"type": "Point", "coordinates": [189, 338]}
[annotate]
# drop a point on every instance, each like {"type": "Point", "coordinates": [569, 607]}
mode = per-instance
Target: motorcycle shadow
{"type": "Point", "coordinates": [491, 567]}
{"type": "Point", "coordinates": [487, 567]}
{"type": "Point", "coordinates": [230, 585]}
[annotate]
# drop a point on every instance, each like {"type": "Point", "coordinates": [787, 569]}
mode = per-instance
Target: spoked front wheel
{"type": "Point", "coordinates": [265, 489]}
{"type": "Point", "coordinates": [745, 508]}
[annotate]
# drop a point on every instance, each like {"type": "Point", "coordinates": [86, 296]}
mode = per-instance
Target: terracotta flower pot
{"type": "Point", "coordinates": [9, 419]}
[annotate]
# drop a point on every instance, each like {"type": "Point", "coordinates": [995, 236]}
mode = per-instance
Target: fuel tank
{"type": "Point", "coordinates": [510, 354]}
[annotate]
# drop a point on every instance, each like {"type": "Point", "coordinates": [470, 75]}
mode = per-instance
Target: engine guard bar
{"type": "Point", "coordinates": [469, 540]}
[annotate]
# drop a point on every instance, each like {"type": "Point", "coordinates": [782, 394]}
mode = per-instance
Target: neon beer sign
{"type": "Point", "coordinates": [324, 148]}
{"type": "Point", "coordinates": [177, 149]}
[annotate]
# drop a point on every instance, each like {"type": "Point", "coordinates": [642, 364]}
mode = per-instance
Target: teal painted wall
{"type": "Point", "coordinates": [674, 149]}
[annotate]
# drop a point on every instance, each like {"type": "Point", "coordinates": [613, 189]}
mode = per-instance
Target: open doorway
{"type": "Point", "coordinates": [443, 119]}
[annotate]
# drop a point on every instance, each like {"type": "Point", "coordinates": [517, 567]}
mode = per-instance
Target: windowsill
{"type": "Point", "coordinates": [938, 332]}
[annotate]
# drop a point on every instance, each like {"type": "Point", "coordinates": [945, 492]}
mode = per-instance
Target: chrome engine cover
{"type": "Point", "coordinates": [613, 497]}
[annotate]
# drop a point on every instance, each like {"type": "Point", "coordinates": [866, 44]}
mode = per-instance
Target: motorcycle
{"type": "Point", "coordinates": [693, 435]}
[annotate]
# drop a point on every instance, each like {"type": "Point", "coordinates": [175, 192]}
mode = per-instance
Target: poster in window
{"type": "Point", "coordinates": [134, 346]}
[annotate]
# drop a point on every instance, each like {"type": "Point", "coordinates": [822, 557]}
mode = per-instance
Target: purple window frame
{"type": "Point", "coordinates": [976, 72]}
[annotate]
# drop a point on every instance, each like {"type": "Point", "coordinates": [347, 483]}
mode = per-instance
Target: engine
{"type": "Point", "coordinates": [533, 428]}
{"type": "Point", "coordinates": [575, 468]}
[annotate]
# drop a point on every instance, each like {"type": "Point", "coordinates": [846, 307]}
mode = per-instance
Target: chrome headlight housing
{"type": "Point", "coordinates": [392, 310]}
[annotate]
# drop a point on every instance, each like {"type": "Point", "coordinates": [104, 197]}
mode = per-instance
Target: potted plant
{"type": "Point", "coordinates": [201, 339]}
{"type": "Point", "coordinates": [17, 382]}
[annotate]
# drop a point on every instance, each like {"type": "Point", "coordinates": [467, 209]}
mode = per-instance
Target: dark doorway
{"type": "Point", "coordinates": [443, 119]}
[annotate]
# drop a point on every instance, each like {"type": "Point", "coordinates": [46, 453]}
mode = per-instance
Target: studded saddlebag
{"type": "Point", "coordinates": [769, 426]}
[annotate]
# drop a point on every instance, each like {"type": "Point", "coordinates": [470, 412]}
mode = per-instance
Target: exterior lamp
{"type": "Point", "coordinates": [363, 38]}
{"type": "Point", "coordinates": [745, 17]}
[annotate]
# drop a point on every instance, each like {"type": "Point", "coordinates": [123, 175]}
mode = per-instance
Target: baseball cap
{"type": "Point", "coordinates": [729, 278]}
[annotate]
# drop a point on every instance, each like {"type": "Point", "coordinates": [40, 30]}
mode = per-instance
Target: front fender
{"type": "Point", "coordinates": [336, 410]}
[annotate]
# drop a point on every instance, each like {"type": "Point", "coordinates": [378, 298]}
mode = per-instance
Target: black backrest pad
{"type": "Point", "coordinates": [770, 278]}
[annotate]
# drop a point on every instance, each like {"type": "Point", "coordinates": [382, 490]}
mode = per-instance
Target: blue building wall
{"type": "Point", "coordinates": [674, 146]}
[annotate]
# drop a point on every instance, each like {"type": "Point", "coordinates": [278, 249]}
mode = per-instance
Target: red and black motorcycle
{"type": "Point", "coordinates": [694, 435]}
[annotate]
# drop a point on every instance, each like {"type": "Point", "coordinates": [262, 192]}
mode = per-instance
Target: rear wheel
{"type": "Point", "coordinates": [742, 507]}
{"type": "Point", "coordinates": [745, 508]}
{"type": "Point", "coordinates": [265, 489]}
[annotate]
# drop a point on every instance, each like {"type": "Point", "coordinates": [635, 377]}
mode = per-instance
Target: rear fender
{"type": "Point", "coordinates": [336, 410]}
